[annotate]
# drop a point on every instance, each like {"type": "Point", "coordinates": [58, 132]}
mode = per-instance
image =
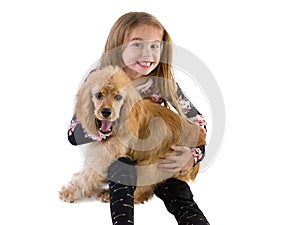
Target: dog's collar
{"type": "Point", "coordinates": [101, 136]}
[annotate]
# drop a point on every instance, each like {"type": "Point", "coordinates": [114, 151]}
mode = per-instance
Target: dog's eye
{"type": "Point", "coordinates": [98, 95]}
{"type": "Point", "coordinates": [118, 97]}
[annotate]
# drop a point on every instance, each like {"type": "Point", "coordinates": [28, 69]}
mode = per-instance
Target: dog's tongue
{"type": "Point", "coordinates": [106, 125]}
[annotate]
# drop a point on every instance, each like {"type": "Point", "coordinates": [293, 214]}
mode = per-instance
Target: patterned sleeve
{"type": "Point", "coordinates": [77, 134]}
{"type": "Point", "coordinates": [194, 116]}
{"type": "Point", "coordinates": [189, 109]}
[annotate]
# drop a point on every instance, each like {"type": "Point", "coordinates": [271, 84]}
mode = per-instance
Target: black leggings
{"type": "Point", "coordinates": [178, 199]}
{"type": "Point", "coordinates": [122, 182]}
{"type": "Point", "coordinates": [175, 194]}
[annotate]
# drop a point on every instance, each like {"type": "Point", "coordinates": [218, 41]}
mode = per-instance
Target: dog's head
{"type": "Point", "coordinates": [102, 99]}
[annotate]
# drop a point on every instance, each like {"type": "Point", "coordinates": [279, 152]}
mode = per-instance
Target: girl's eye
{"type": "Point", "coordinates": [118, 97]}
{"type": "Point", "coordinates": [155, 46]}
{"type": "Point", "coordinates": [98, 95]}
{"type": "Point", "coordinates": [137, 44]}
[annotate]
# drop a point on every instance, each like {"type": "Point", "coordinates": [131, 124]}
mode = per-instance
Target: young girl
{"type": "Point", "coordinates": [140, 44]}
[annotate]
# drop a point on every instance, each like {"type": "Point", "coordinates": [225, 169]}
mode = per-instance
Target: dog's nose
{"type": "Point", "coordinates": [106, 112]}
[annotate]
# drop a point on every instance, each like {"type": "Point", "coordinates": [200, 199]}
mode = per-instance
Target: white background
{"type": "Point", "coordinates": [251, 47]}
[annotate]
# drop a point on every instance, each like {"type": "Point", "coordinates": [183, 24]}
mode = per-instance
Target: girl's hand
{"type": "Point", "coordinates": [181, 160]}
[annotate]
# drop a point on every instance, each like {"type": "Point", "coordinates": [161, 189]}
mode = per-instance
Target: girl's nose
{"type": "Point", "coordinates": [146, 51]}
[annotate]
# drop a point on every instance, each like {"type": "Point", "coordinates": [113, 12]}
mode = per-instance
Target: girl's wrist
{"type": "Point", "coordinates": [198, 155]}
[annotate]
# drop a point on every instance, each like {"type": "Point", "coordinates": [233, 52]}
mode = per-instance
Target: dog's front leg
{"type": "Point", "coordinates": [83, 184]}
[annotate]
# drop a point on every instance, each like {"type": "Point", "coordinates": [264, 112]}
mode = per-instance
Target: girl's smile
{"type": "Point", "coordinates": [145, 64]}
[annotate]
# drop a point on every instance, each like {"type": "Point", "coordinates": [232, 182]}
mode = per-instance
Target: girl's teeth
{"type": "Point", "coordinates": [145, 63]}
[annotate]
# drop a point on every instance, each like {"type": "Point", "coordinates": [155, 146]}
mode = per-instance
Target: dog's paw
{"type": "Point", "coordinates": [103, 195]}
{"type": "Point", "coordinates": [67, 194]}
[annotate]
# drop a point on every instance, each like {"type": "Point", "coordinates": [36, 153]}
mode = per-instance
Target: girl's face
{"type": "Point", "coordinates": [142, 51]}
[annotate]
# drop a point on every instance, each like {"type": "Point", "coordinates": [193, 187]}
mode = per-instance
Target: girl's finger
{"type": "Point", "coordinates": [168, 164]}
{"type": "Point", "coordinates": [172, 158]}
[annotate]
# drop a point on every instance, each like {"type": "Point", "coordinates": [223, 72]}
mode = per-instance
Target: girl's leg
{"type": "Point", "coordinates": [122, 182]}
{"type": "Point", "coordinates": [179, 201]}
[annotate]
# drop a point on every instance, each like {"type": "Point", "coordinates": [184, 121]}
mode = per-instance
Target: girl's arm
{"type": "Point", "coordinates": [187, 157]}
{"type": "Point", "coordinates": [196, 117]}
{"type": "Point", "coordinates": [77, 135]}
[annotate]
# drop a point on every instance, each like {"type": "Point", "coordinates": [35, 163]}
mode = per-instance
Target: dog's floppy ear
{"type": "Point", "coordinates": [84, 108]}
{"type": "Point", "coordinates": [130, 112]}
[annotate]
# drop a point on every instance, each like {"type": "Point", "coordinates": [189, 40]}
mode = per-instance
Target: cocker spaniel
{"type": "Point", "coordinates": [110, 108]}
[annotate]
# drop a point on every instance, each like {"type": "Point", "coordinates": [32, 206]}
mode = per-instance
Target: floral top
{"type": "Point", "coordinates": [77, 134]}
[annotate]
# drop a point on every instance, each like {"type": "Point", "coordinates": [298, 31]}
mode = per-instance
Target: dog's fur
{"type": "Point", "coordinates": [141, 130]}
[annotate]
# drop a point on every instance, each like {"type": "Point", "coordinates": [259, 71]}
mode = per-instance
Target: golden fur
{"type": "Point", "coordinates": [141, 130]}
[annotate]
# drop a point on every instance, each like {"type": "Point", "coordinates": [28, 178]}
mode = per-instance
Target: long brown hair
{"type": "Point", "coordinates": [113, 52]}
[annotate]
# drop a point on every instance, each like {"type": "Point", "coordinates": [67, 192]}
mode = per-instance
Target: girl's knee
{"type": "Point", "coordinates": [174, 188]}
{"type": "Point", "coordinates": [122, 171]}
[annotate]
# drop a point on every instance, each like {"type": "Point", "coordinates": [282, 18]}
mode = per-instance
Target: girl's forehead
{"type": "Point", "coordinates": [145, 32]}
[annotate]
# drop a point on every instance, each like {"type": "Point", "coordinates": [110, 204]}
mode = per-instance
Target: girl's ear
{"type": "Point", "coordinates": [84, 109]}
